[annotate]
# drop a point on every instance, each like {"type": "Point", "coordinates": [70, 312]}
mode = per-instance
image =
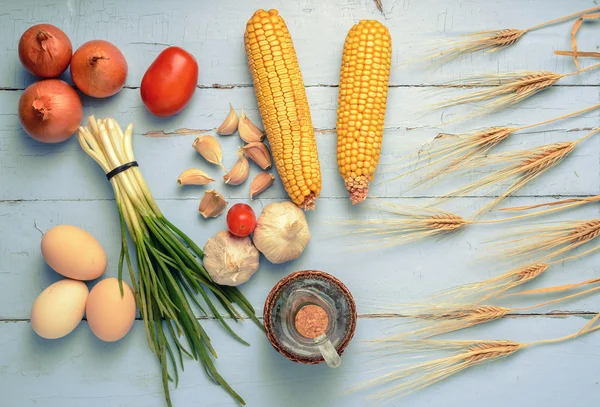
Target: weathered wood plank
{"type": "Point", "coordinates": [39, 167]}
{"type": "Point", "coordinates": [81, 370]}
{"type": "Point", "coordinates": [213, 32]}
{"type": "Point", "coordinates": [42, 186]}
{"type": "Point", "coordinates": [379, 278]}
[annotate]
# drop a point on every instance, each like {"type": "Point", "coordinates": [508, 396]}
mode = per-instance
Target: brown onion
{"type": "Point", "coordinates": [99, 69]}
{"type": "Point", "coordinates": [50, 111]}
{"type": "Point", "coordinates": [45, 50]}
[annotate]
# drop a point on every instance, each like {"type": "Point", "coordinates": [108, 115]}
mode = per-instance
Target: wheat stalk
{"type": "Point", "coordinates": [414, 224]}
{"type": "Point", "coordinates": [492, 40]}
{"type": "Point", "coordinates": [489, 40]}
{"type": "Point", "coordinates": [486, 290]}
{"type": "Point", "coordinates": [440, 320]}
{"type": "Point", "coordinates": [554, 206]}
{"type": "Point", "coordinates": [461, 149]}
{"type": "Point", "coordinates": [574, 31]}
{"type": "Point", "coordinates": [467, 354]}
{"type": "Point", "coordinates": [506, 89]}
{"type": "Point", "coordinates": [551, 241]}
{"type": "Point", "coordinates": [521, 168]}
{"type": "Point", "coordinates": [559, 288]}
{"type": "Point", "coordinates": [422, 375]}
{"type": "Point", "coordinates": [456, 151]}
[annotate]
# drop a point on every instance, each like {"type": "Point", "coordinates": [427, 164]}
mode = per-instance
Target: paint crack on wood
{"type": "Point", "coordinates": [36, 226]}
{"type": "Point", "coordinates": [179, 132]}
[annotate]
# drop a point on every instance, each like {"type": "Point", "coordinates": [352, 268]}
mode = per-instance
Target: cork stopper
{"type": "Point", "coordinates": [311, 321]}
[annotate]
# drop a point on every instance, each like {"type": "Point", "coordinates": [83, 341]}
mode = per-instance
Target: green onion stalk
{"type": "Point", "coordinates": [169, 267]}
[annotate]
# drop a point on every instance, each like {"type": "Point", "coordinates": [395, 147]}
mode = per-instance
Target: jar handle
{"type": "Point", "coordinates": [328, 352]}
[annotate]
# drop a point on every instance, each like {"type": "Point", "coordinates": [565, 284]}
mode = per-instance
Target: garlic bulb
{"type": "Point", "coordinates": [281, 232]}
{"type": "Point", "coordinates": [230, 260]}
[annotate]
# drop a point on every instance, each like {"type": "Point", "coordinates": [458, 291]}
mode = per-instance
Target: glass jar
{"type": "Point", "coordinates": [290, 324]}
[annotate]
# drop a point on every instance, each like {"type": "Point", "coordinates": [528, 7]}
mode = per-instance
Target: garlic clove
{"type": "Point", "coordinates": [259, 153]}
{"type": "Point", "coordinates": [248, 131]}
{"type": "Point", "coordinates": [239, 173]}
{"type": "Point", "coordinates": [212, 204]}
{"type": "Point", "coordinates": [194, 176]}
{"type": "Point", "coordinates": [230, 125]}
{"type": "Point", "coordinates": [210, 149]}
{"type": "Point", "coordinates": [260, 183]}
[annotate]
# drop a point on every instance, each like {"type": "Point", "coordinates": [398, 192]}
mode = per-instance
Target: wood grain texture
{"type": "Point", "coordinates": [45, 185]}
{"type": "Point", "coordinates": [80, 370]}
{"type": "Point", "coordinates": [214, 31]}
{"type": "Point", "coordinates": [380, 279]}
{"type": "Point", "coordinates": [162, 159]}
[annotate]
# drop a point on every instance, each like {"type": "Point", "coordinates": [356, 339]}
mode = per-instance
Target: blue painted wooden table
{"type": "Point", "coordinates": [46, 185]}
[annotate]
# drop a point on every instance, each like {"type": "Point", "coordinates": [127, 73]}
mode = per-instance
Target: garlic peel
{"type": "Point", "coordinates": [239, 173]}
{"type": "Point", "coordinates": [212, 204]}
{"type": "Point", "coordinates": [281, 232]}
{"type": "Point", "coordinates": [230, 124]}
{"type": "Point", "coordinates": [248, 130]}
{"type": "Point", "coordinates": [230, 260]}
{"type": "Point", "coordinates": [194, 176]}
{"type": "Point", "coordinates": [260, 183]}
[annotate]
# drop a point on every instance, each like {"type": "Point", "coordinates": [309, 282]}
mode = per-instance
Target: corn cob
{"type": "Point", "coordinates": [283, 106]}
{"type": "Point", "coordinates": [362, 100]}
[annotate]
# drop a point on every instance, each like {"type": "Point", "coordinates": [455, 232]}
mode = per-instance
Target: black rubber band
{"type": "Point", "coordinates": [121, 168]}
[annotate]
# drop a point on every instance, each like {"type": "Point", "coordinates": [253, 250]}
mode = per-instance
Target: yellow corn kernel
{"type": "Point", "coordinates": [364, 79]}
{"type": "Point", "coordinates": [283, 106]}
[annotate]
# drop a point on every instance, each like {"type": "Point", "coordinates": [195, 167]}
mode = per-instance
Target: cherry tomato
{"type": "Point", "coordinates": [241, 220]}
{"type": "Point", "coordinates": [170, 82]}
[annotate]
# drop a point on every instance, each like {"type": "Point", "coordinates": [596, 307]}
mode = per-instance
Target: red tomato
{"type": "Point", "coordinates": [241, 220]}
{"type": "Point", "coordinates": [170, 82]}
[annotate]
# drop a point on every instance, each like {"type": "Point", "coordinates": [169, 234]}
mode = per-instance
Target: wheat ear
{"type": "Point", "coordinates": [492, 40]}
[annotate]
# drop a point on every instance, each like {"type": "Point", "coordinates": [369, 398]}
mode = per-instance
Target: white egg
{"type": "Point", "coordinates": [59, 309]}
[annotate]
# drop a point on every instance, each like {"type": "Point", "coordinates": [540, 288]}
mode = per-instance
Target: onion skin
{"type": "Point", "coordinates": [45, 50]}
{"type": "Point", "coordinates": [99, 69]}
{"type": "Point", "coordinates": [50, 111]}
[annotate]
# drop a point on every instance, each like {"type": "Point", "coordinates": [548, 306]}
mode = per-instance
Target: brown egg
{"type": "Point", "coordinates": [109, 314]}
{"type": "Point", "coordinates": [73, 252]}
{"type": "Point", "coordinates": [59, 309]}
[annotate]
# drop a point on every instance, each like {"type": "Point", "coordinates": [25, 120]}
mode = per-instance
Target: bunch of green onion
{"type": "Point", "coordinates": [169, 263]}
